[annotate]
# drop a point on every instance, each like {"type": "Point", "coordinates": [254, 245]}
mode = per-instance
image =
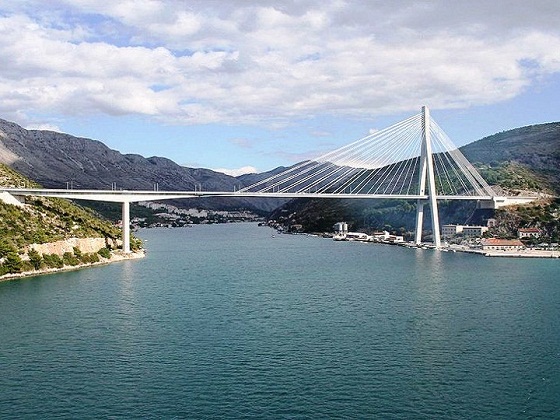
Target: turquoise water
{"type": "Point", "coordinates": [225, 321]}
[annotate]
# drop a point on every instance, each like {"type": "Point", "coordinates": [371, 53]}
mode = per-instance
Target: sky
{"type": "Point", "coordinates": [243, 86]}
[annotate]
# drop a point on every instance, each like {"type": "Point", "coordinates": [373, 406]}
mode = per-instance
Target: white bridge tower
{"type": "Point", "coordinates": [427, 179]}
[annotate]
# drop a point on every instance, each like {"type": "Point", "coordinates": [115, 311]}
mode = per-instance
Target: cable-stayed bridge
{"type": "Point", "coordinates": [412, 160]}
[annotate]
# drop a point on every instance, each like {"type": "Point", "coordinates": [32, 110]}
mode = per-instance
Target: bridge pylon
{"type": "Point", "coordinates": [427, 179]}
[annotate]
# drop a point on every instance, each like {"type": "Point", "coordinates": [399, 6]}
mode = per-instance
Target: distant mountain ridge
{"type": "Point", "coordinates": [52, 159]}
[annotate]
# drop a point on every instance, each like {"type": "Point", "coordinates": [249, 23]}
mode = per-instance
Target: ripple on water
{"type": "Point", "coordinates": [225, 322]}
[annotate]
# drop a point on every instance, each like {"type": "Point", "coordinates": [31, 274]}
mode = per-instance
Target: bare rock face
{"type": "Point", "coordinates": [52, 159]}
{"type": "Point", "coordinates": [85, 245]}
{"type": "Point", "coordinates": [55, 160]}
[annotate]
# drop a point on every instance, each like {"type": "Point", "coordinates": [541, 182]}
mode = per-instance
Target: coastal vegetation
{"type": "Point", "coordinates": [543, 215]}
{"type": "Point", "coordinates": [48, 220]}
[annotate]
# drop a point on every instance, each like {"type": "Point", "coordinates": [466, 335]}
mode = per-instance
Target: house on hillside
{"type": "Point", "coordinates": [528, 233]}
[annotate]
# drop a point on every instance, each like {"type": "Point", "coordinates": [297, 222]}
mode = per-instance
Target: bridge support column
{"type": "Point", "coordinates": [419, 221]}
{"type": "Point", "coordinates": [126, 227]}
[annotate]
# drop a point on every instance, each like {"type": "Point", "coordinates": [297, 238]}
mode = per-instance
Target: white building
{"type": "Point", "coordinates": [341, 228]}
{"type": "Point", "coordinates": [502, 244]}
{"type": "Point", "coordinates": [528, 233]}
{"type": "Point", "coordinates": [449, 231]}
{"type": "Point", "coordinates": [381, 236]}
{"type": "Point", "coordinates": [474, 231]}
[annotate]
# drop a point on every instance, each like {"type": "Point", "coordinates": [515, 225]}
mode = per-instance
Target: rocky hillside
{"type": "Point", "coordinates": [48, 232]}
{"type": "Point", "coordinates": [524, 158]}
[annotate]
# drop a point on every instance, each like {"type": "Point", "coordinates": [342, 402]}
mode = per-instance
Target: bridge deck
{"type": "Point", "coordinates": [135, 196]}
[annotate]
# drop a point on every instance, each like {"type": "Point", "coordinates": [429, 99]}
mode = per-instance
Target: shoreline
{"type": "Point", "coordinates": [522, 254]}
{"type": "Point", "coordinates": [116, 257]}
{"type": "Point", "coordinates": [525, 253]}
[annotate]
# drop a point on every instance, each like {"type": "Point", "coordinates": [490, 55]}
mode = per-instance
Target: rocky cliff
{"type": "Point", "coordinates": [84, 245]}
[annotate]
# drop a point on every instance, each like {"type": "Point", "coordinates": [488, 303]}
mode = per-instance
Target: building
{"type": "Point", "coordinates": [449, 231]}
{"type": "Point", "coordinates": [474, 231]}
{"type": "Point", "coordinates": [340, 228]}
{"type": "Point", "coordinates": [528, 233]}
{"type": "Point", "coordinates": [381, 236]}
{"type": "Point", "coordinates": [494, 244]}
{"type": "Point", "coordinates": [357, 236]}
{"type": "Point", "coordinates": [492, 223]}
{"type": "Point", "coordinates": [395, 239]}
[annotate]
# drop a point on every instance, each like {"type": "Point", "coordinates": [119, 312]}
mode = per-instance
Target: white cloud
{"type": "Point", "coordinates": [237, 172]}
{"type": "Point", "coordinates": [265, 62]}
{"type": "Point", "coordinates": [44, 127]}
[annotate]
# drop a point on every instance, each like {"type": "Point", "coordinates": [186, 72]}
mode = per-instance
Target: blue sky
{"type": "Point", "coordinates": [250, 85]}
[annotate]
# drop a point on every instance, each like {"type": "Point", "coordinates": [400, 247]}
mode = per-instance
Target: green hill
{"type": "Point", "coordinates": [522, 158]}
{"type": "Point", "coordinates": [45, 220]}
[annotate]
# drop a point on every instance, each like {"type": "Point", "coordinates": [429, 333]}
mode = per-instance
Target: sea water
{"type": "Point", "coordinates": [236, 321]}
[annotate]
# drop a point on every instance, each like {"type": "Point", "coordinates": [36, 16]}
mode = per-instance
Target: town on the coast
{"type": "Point", "coordinates": [457, 238]}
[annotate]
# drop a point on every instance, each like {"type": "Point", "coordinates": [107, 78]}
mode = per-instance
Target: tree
{"type": "Point", "coordinates": [5, 249]}
{"type": "Point", "coordinates": [35, 259]}
{"type": "Point", "coordinates": [70, 259]}
{"type": "Point", "coordinates": [12, 262]}
{"type": "Point", "coordinates": [104, 252]}
{"type": "Point", "coordinates": [53, 261]}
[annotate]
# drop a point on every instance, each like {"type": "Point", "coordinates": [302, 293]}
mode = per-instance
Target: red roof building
{"type": "Point", "coordinates": [502, 244]}
{"type": "Point", "coordinates": [528, 233]}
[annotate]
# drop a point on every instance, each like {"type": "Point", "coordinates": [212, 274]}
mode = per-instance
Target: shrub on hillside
{"type": "Point", "coordinates": [104, 252]}
{"type": "Point", "coordinates": [53, 261]}
{"type": "Point", "coordinates": [68, 258]}
{"type": "Point", "coordinates": [12, 262]}
{"type": "Point", "coordinates": [89, 258]}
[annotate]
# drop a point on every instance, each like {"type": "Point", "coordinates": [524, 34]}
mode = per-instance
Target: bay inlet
{"type": "Point", "coordinates": [226, 321]}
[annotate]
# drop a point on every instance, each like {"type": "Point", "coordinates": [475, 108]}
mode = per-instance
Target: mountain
{"type": "Point", "coordinates": [531, 152]}
{"type": "Point", "coordinates": [250, 179]}
{"type": "Point", "coordinates": [55, 160]}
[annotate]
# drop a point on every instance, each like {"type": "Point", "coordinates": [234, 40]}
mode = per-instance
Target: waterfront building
{"type": "Point", "coordinates": [449, 231]}
{"type": "Point", "coordinates": [381, 236]}
{"type": "Point", "coordinates": [395, 239]}
{"type": "Point", "coordinates": [341, 228]}
{"type": "Point", "coordinates": [474, 231]}
{"type": "Point", "coordinates": [502, 244]}
{"type": "Point", "coordinates": [357, 236]}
